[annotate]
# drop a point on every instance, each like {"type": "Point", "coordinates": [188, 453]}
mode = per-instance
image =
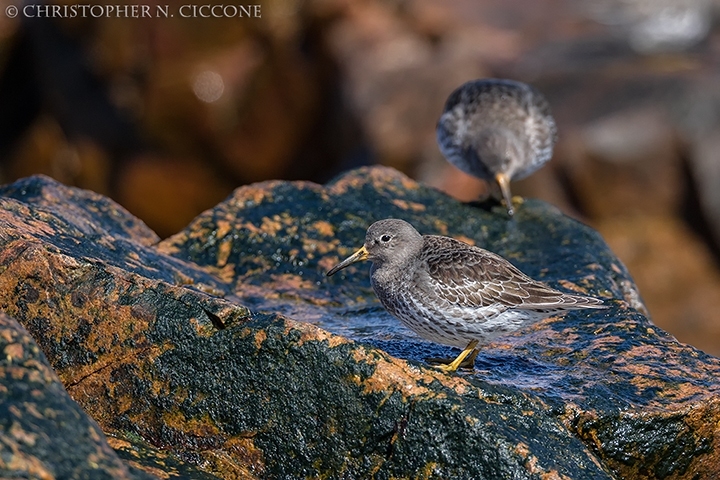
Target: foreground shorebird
{"type": "Point", "coordinates": [497, 130]}
{"type": "Point", "coordinates": [453, 293]}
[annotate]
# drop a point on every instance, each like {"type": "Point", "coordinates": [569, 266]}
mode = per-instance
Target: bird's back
{"type": "Point", "coordinates": [478, 110]}
{"type": "Point", "coordinates": [474, 277]}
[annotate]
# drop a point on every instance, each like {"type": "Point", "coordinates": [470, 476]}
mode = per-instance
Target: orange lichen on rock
{"type": "Point", "coordinates": [464, 239]}
{"type": "Point", "coordinates": [572, 286]}
{"type": "Point", "coordinates": [319, 247]}
{"type": "Point", "coordinates": [14, 351]}
{"type": "Point", "coordinates": [310, 332]}
{"type": "Point", "coordinates": [407, 205]}
{"type": "Point", "coordinates": [324, 228]}
{"type": "Point", "coordinates": [223, 228]}
{"type": "Point", "coordinates": [224, 250]}
{"type": "Point", "coordinates": [393, 374]}
{"type": "Point", "coordinates": [271, 226]}
{"type": "Point", "coordinates": [260, 337]}
{"type": "Point", "coordinates": [289, 282]}
{"type": "Point", "coordinates": [254, 194]}
{"type": "Point", "coordinates": [238, 458]}
{"type": "Point", "coordinates": [533, 467]}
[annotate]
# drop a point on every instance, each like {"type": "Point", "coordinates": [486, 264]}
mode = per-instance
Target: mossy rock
{"type": "Point", "coordinates": [226, 349]}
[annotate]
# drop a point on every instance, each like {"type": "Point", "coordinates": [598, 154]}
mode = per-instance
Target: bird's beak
{"type": "Point", "coordinates": [359, 256]}
{"type": "Point", "coordinates": [504, 182]}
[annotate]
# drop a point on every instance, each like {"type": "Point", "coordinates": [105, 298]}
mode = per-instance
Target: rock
{"type": "Point", "coordinates": [316, 87]}
{"type": "Point", "coordinates": [682, 302]}
{"type": "Point", "coordinates": [133, 97]}
{"type": "Point", "coordinates": [225, 347]}
{"type": "Point", "coordinates": [635, 157]}
{"type": "Point", "coordinates": [705, 171]}
{"type": "Point", "coordinates": [44, 434]}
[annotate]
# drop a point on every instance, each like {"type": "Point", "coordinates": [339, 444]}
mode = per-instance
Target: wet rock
{"type": "Point", "coordinates": [225, 347]}
{"type": "Point", "coordinates": [44, 434]}
{"type": "Point", "coordinates": [316, 87]}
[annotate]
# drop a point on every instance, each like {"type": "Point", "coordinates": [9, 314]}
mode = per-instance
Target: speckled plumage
{"type": "Point", "coordinates": [494, 127]}
{"type": "Point", "coordinates": [453, 293]}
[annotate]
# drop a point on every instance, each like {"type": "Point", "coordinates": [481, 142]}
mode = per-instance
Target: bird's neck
{"type": "Point", "coordinates": [386, 276]}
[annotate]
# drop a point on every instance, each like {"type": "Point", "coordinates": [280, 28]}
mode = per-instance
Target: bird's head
{"type": "Point", "coordinates": [386, 241]}
{"type": "Point", "coordinates": [499, 150]}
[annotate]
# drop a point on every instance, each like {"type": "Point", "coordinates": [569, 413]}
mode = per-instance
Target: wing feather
{"type": "Point", "coordinates": [469, 276]}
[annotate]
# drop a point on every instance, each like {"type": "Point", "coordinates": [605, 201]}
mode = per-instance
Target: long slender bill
{"type": "Point", "coordinates": [504, 183]}
{"type": "Point", "coordinates": [359, 256]}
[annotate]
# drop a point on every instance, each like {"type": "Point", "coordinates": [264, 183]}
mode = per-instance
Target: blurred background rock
{"type": "Point", "coordinates": [168, 115]}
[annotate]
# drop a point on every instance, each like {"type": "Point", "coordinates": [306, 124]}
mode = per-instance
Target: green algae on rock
{"type": "Point", "coordinates": [226, 348]}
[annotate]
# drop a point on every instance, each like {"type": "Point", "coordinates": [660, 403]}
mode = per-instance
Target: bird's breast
{"type": "Point", "coordinates": [388, 286]}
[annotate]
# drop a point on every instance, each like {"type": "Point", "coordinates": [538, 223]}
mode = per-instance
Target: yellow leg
{"type": "Point", "coordinates": [455, 364]}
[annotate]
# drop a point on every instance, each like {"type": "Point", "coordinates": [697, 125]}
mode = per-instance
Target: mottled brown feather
{"type": "Point", "coordinates": [472, 277]}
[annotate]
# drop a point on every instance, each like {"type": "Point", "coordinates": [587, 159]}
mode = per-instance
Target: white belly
{"type": "Point", "coordinates": [457, 326]}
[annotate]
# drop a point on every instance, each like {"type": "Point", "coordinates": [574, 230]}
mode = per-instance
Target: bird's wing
{"type": "Point", "coordinates": [541, 132]}
{"type": "Point", "coordinates": [472, 277]}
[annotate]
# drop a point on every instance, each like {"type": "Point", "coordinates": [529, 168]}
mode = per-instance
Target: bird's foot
{"type": "Point", "coordinates": [444, 364]}
{"type": "Point", "coordinates": [466, 359]}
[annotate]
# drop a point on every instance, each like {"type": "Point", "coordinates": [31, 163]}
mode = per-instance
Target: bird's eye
{"type": "Point", "coordinates": [385, 238]}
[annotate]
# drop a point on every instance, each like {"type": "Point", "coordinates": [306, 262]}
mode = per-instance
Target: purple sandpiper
{"type": "Point", "coordinates": [453, 293]}
{"type": "Point", "coordinates": [497, 130]}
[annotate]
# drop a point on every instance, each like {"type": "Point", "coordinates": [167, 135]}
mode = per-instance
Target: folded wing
{"type": "Point", "coordinates": [468, 276]}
